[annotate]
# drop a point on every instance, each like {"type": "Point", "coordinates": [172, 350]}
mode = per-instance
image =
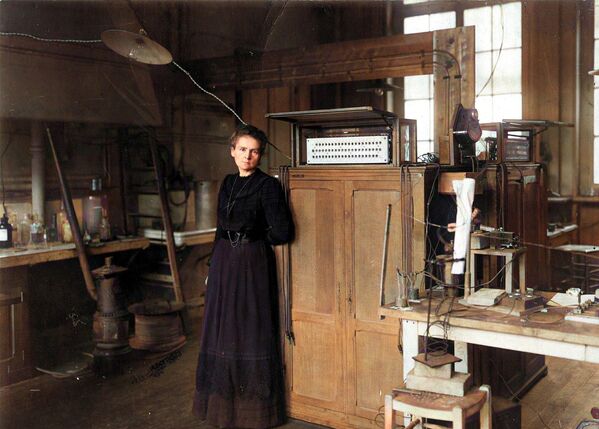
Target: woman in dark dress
{"type": "Point", "coordinates": [239, 380]}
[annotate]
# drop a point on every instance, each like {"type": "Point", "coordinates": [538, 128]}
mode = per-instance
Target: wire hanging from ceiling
{"type": "Point", "coordinates": [45, 39]}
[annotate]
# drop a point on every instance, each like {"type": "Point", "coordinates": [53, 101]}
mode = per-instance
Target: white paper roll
{"type": "Point", "coordinates": [464, 190]}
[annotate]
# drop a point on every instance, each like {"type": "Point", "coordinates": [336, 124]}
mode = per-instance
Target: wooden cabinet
{"type": "Point", "coordinates": [15, 349]}
{"type": "Point", "coordinates": [516, 199]}
{"type": "Point", "coordinates": [345, 358]}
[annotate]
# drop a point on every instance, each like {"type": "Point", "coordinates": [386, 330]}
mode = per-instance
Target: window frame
{"type": "Point", "coordinates": [459, 7]}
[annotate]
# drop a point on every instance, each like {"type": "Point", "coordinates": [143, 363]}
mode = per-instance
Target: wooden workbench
{"type": "Point", "coordinates": [468, 325]}
{"type": "Point", "coordinates": [564, 339]}
{"type": "Point", "coordinates": [18, 257]}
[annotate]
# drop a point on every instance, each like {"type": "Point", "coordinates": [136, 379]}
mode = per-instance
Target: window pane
{"type": "Point", "coordinates": [417, 87]}
{"type": "Point", "coordinates": [441, 21]}
{"type": "Point", "coordinates": [507, 26]}
{"type": "Point", "coordinates": [596, 53]}
{"type": "Point", "coordinates": [506, 77]}
{"type": "Point", "coordinates": [481, 19]}
{"type": "Point", "coordinates": [435, 21]}
{"type": "Point", "coordinates": [596, 20]}
{"type": "Point", "coordinates": [420, 110]}
{"type": "Point", "coordinates": [507, 107]}
{"type": "Point", "coordinates": [415, 24]}
{"type": "Point", "coordinates": [596, 110]}
{"type": "Point", "coordinates": [596, 161]}
{"type": "Point", "coordinates": [414, 1]}
{"type": "Point", "coordinates": [423, 146]}
{"type": "Point", "coordinates": [484, 65]}
{"type": "Point", "coordinates": [484, 105]}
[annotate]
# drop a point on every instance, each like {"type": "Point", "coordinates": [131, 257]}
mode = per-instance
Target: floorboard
{"type": "Point", "coordinates": [564, 397]}
{"type": "Point", "coordinates": [157, 393]}
{"type": "Point", "coordinates": [147, 394]}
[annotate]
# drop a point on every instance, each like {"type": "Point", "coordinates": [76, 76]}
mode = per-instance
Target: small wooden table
{"type": "Point", "coordinates": [510, 255]}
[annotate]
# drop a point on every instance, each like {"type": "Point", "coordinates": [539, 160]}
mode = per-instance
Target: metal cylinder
{"type": "Point", "coordinates": [38, 171]}
{"type": "Point", "coordinates": [111, 320]}
{"type": "Point", "coordinates": [110, 333]}
{"type": "Point", "coordinates": [206, 201]}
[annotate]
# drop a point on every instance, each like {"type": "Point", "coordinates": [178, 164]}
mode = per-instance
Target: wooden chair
{"type": "Point", "coordinates": [455, 409]}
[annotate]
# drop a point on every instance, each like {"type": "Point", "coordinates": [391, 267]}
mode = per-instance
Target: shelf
{"type": "Point", "coordinates": [22, 257]}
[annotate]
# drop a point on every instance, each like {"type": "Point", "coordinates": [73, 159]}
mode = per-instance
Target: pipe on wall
{"type": "Point", "coordinates": [38, 173]}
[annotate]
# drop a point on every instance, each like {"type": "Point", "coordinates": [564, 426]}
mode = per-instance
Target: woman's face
{"type": "Point", "coordinates": [246, 154]}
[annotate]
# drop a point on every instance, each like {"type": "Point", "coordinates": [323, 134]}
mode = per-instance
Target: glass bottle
{"type": "Point", "coordinates": [15, 229]}
{"type": "Point", "coordinates": [37, 233]}
{"type": "Point", "coordinates": [67, 233]}
{"type": "Point", "coordinates": [5, 233]}
{"type": "Point", "coordinates": [52, 230]}
{"type": "Point", "coordinates": [105, 233]}
{"type": "Point", "coordinates": [60, 219]}
{"type": "Point", "coordinates": [25, 230]}
{"type": "Point", "coordinates": [94, 205]}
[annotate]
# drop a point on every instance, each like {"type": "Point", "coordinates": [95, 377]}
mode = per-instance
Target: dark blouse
{"type": "Point", "coordinates": [254, 206]}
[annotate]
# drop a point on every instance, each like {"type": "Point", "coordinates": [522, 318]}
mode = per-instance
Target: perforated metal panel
{"type": "Point", "coordinates": [348, 150]}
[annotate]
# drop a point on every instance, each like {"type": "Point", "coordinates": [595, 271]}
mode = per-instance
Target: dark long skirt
{"type": "Point", "coordinates": [239, 381]}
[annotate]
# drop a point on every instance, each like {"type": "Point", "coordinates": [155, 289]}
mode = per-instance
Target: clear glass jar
{"type": "Point", "coordinates": [94, 205]}
{"type": "Point", "coordinates": [25, 230]}
{"type": "Point", "coordinates": [37, 233]}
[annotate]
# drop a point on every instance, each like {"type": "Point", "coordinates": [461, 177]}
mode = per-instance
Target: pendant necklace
{"type": "Point", "coordinates": [232, 199]}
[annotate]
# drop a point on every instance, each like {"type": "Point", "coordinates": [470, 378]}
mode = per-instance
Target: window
{"type": "Point", "coordinates": [498, 66]}
{"type": "Point", "coordinates": [418, 90]}
{"type": "Point", "coordinates": [596, 100]}
{"type": "Point", "coordinates": [498, 60]}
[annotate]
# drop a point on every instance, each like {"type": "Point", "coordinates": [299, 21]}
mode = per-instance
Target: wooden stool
{"type": "Point", "coordinates": [455, 409]}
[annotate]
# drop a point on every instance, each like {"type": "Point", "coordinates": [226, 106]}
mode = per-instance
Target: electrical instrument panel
{"type": "Point", "coordinates": [349, 137]}
{"type": "Point", "coordinates": [518, 146]}
{"type": "Point", "coordinates": [514, 141]}
{"type": "Point", "coordinates": [348, 150]}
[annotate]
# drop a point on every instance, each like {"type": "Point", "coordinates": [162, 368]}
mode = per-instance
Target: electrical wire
{"type": "Point", "coordinates": [208, 92]}
{"type": "Point", "coordinates": [498, 54]}
{"type": "Point", "coordinates": [45, 39]}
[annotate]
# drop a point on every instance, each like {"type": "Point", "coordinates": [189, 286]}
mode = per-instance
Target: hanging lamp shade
{"type": "Point", "coordinates": [136, 47]}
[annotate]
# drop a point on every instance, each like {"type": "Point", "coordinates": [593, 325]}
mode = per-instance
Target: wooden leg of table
{"type": "Point", "coordinates": [522, 273]}
{"type": "Point", "coordinates": [409, 331]}
{"type": "Point", "coordinates": [472, 286]}
{"type": "Point", "coordinates": [461, 351]}
{"type": "Point", "coordinates": [459, 418]}
{"type": "Point", "coordinates": [486, 412]}
{"type": "Point", "coordinates": [389, 412]}
{"type": "Point", "coordinates": [508, 273]}
{"type": "Point", "coordinates": [410, 345]}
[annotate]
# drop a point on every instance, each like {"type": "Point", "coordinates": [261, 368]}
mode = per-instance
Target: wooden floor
{"type": "Point", "coordinates": [564, 397]}
{"type": "Point", "coordinates": [150, 394]}
{"type": "Point", "coordinates": [156, 394]}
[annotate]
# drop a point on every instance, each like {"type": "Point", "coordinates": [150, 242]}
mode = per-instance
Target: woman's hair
{"type": "Point", "coordinates": [252, 131]}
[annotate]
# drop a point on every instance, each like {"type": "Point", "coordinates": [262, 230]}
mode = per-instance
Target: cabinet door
{"type": "Point", "coordinates": [15, 353]}
{"type": "Point", "coordinates": [315, 365]}
{"type": "Point", "coordinates": [373, 359]}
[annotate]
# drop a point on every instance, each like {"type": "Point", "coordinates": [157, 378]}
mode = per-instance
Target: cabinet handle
{"type": "Point", "coordinates": [338, 297]}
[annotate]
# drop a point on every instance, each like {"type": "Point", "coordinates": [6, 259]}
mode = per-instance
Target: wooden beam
{"type": "Point", "coordinates": [376, 58]}
{"type": "Point", "coordinates": [454, 74]}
